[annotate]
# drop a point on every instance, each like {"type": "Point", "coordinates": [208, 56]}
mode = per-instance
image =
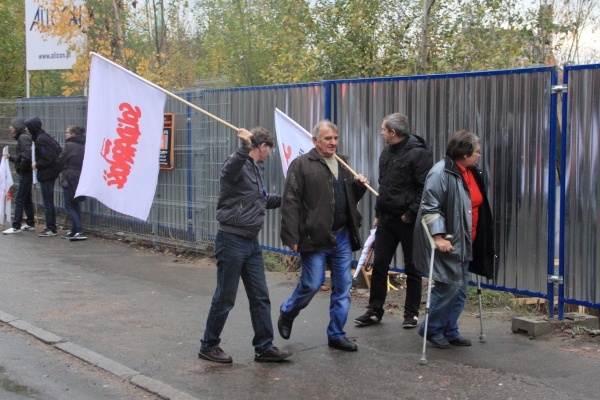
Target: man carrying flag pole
{"type": "Point", "coordinates": [121, 159]}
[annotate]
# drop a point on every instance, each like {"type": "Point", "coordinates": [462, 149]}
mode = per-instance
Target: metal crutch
{"type": "Point", "coordinates": [481, 335]}
{"type": "Point", "coordinates": [425, 220]}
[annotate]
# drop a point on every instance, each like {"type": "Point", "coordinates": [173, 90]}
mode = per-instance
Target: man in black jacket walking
{"type": "Point", "coordinates": [47, 151]}
{"type": "Point", "coordinates": [243, 200]}
{"type": "Point", "coordinates": [403, 167]}
{"type": "Point", "coordinates": [22, 160]}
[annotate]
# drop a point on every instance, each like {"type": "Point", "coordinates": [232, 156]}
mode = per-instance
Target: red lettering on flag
{"type": "Point", "coordinates": [287, 153]}
{"type": "Point", "coordinates": [123, 148]}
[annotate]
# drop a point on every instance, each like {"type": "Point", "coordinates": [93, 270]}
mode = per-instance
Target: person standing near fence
{"type": "Point", "coordinates": [70, 162]}
{"type": "Point", "coordinates": [22, 161]}
{"type": "Point", "coordinates": [455, 202]}
{"type": "Point", "coordinates": [243, 200]}
{"type": "Point", "coordinates": [320, 220]}
{"type": "Point", "coordinates": [47, 151]}
{"type": "Point", "coordinates": [403, 167]}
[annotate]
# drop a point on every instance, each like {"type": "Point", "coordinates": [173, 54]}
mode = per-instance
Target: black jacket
{"type": "Point", "coordinates": [243, 198]}
{"type": "Point", "coordinates": [403, 168]}
{"type": "Point", "coordinates": [22, 158]}
{"type": "Point", "coordinates": [47, 151]}
{"type": "Point", "coordinates": [70, 162]}
{"type": "Point", "coordinates": [307, 209]}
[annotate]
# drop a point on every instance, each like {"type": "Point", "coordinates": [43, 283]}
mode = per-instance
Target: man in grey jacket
{"type": "Point", "coordinates": [241, 209]}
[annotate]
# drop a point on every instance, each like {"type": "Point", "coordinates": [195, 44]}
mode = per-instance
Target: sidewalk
{"type": "Point", "coordinates": [146, 311]}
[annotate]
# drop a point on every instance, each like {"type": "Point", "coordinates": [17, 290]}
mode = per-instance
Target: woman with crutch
{"type": "Point", "coordinates": [457, 215]}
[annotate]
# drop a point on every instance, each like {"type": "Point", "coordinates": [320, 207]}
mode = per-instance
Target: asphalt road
{"type": "Point", "coordinates": [30, 369]}
{"type": "Point", "coordinates": [146, 310]}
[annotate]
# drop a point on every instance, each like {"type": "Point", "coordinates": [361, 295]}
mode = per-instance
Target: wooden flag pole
{"type": "Point", "coordinates": [355, 174]}
{"type": "Point", "coordinates": [195, 107]}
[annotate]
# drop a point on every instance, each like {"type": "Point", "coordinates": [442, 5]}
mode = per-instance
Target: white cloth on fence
{"type": "Point", "coordinates": [6, 182]}
{"type": "Point", "coordinates": [365, 252]}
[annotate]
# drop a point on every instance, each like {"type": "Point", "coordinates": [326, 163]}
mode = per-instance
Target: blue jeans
{"type": "Point", "coordinates": [447, 302]}
{"type": "Point", "coordinates": [48, 199]}
{"type": "Point", "coordinates": [23, 201]}
{"type": "Point", "coordinates": [313, 275]}
{"type": "Point", "coordinates": [239, 257]}
{"type": "Point", "coordinates": [73, 210]}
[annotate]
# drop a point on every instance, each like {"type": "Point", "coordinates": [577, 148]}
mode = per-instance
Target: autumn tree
{"type": "Point", "coordinates": [149, 37]}
{"type": "Point", "coordinates": [254, 42]}
{"type": "Point", "coordinates": [12, 43]}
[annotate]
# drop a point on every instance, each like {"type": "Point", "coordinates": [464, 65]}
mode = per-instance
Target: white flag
{"type": "Point", "coordinates": [6, 182]}
{"type": "Point", "coordinates": [122, 148]}
{"type": "Point", "coordinates": [292, 139]}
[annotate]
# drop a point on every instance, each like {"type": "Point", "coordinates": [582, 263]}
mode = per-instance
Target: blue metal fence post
{"type": "Point", "coordinates": [563, 167]}
{"type": "Point", "coordinates": [327, 100]}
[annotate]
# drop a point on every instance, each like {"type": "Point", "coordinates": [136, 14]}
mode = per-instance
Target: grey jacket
{"type": "Point", "coordinates": [243, 198]}
{"type": "Point", "coordinates": [447, 197]}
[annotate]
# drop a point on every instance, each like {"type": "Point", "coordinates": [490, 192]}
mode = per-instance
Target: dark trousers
{"type": "Point", "coordinates": [238, 257]}
{"type": "Point", "coordinates": [389, 234]}
{"type": "Point", "coordinates": [48, 200]}
{"type": "Point", "coordinates": [73, 210]}
{"type": "Point", "coordinates": [23, 203]}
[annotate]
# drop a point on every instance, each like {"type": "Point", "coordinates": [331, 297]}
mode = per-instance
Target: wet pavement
{"type": "Point", "coordinates": [146, 310]}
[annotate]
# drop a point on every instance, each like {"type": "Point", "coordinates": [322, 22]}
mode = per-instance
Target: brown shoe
{"type": "Point", "coordinates": [216, 354]}
{"type": "Point", "coordinates": [272, 355]}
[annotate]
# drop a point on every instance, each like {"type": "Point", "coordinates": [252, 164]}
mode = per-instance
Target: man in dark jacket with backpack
{"type": "Point", "coordinates": [403, 167]}
{"type": "Point", "coordinates": [22, 160]}
{"type": "Point", "coordinates": [47, 151]}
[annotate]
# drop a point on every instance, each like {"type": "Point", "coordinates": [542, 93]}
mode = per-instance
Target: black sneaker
{"type": "Point", "coordinates": [372, 316]}
{"type": "Point", "coordinates": [272, 355]}
{"type": "Point", "coordinates": [410, 321]}
{"type": "Point", "coordinates": [68, 235]}
{"type": "Point", "coordinates": [47, 233]}
{"type": "Point", "coordinates": [78, 236]}
{"type": "Point", "coordinates": [216, 354]}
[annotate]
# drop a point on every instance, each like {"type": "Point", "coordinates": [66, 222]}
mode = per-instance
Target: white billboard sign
{"type": "Point", "coordinates": [44, 51]}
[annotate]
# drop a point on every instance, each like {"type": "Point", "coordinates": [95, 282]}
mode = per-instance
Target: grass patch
{"type": "Point", "coordinates": [279, 262]}
{"type": "Point", "coordinates": [490, 298]}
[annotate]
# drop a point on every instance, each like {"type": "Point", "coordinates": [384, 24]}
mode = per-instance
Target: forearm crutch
{"type": "Point", "coordinates": [481, 335]}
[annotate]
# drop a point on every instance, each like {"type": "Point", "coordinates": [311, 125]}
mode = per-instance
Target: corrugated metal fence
{"type": "Point", "coordinates": [580, 194]}
{"type": "Point", "coordinates": [514, 113]}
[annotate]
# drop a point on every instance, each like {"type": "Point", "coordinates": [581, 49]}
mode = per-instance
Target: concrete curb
{"type": "Point", "coordinates": [159, 388]}
{"type": "Point", "coordinates": [44, 336]}
{"type": "Point", "coordinates": [130, 375]}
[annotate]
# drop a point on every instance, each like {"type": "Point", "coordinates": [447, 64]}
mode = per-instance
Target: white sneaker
{"type": "Point", "coordinates": [10, 231]}
{"type": "Point", "coordinates": [26, 227]}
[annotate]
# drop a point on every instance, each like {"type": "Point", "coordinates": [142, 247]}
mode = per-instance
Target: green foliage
{"type": "Point", "coordinates": [278, 262]}
{"type": "Point", "coordinates": [12, 43]}
{"type": "Point", "coordinates": [490, 298]}
{"type": "Point", "coordinates": [177, 43]}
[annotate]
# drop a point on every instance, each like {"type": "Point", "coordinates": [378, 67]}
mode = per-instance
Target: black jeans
{"type": "Point", "coordinates": [23, 203]}
{"type": "Point", "coordinates": [48, 200]}
{"type": "Point", "coordinates": [389, 234]}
